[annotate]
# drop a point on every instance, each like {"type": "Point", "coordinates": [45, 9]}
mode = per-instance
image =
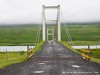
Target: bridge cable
{"type": "Point", "coordinates": [38, 34]}
{"type": "Point", "coordinates": [70, 41]}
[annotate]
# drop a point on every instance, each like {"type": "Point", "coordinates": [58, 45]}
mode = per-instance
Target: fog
{"type": "Point", "coordinates": [30, 11]}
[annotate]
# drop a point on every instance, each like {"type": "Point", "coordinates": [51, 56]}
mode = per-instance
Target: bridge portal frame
{"type": "Point", "coordinates": [50, 34]}
{"type": "Point", "coordinates": [57, 20]}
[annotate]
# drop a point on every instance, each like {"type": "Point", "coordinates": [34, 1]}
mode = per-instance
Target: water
{"type": "Point", "coordinates": [24, 48]}
{"type": "Point", "coordinates": [14, 48]}
{"type": "Point", "coordinates": [86, 47]}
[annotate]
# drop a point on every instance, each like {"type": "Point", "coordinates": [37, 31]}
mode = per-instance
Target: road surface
{"type": "Point", "coordinates": [53, 59]}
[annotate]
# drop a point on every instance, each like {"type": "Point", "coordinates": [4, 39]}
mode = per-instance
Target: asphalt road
{"type": "Point", "coordinates": [53, 59]}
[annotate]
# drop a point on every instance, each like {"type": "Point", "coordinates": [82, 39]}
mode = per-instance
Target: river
{"type": "Point", "coordinates": [24, 48]}
{"type": "Point", "coordinates": [86, 47]}
{"type": "Point", "coordinates": [14, 48]}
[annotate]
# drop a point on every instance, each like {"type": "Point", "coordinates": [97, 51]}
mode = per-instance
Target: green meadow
{"type": "Point", "coordinates": [18, 35]}
{"type": "Point", "coordinates": [81, 34]}
{"type": "Point", "coordinates": [7, 58]}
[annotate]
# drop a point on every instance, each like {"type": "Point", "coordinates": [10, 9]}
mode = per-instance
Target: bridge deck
{"type": "Point", "coordinates": [53, 59]}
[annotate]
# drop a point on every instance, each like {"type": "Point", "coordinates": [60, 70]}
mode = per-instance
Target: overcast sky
{"type": "Point", "coordinates": [30, 11]}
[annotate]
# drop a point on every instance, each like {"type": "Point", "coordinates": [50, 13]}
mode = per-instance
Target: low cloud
{"type": "Point", "coordinates": [30, 11]}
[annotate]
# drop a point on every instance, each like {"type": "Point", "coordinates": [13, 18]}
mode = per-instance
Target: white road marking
{"type": "Point", "coordinates": [41, 63]}
{"type": "Point", "coordinates": [76, 66]}
{"type": "Point", "coordinates": [38, 71]}
{"type": "Point", "coordinates": [63, 72]}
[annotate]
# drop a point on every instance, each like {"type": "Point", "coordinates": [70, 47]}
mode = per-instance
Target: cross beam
{"type": "Point", "coordinates": [51, 7]}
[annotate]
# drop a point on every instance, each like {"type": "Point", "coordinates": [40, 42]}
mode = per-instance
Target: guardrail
{"type": "Point", "coordinates": [86, 54]}
{"type": "Point", "coordinates": [29, 53]}
{"type": "Point", "coordinates": [32, 51]}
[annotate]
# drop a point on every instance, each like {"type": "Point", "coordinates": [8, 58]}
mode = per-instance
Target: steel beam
{"type": "Point", "coordinates": [44, 29]}
{"type": "Point", "coordinates": [59, 27]}
{"type": "Point", "coordinates": [52, 7]}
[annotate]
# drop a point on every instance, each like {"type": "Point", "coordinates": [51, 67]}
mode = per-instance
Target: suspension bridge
{"type": "Point", "coordinates": [51, 29]}
{"type": "Point", "coordinates": [53, 58]}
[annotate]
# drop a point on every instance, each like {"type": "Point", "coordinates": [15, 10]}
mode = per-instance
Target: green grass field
{"type": "Point", "coordinates": [83, 34]}
{"type": "Point", "coordinates": [95, 53]}
{"type": "Point", "coordinates": [12, 58]}
{"type": "Point", "coordinates": [18, 35]}
{"type": "Point", "coordinates": [26, 34]}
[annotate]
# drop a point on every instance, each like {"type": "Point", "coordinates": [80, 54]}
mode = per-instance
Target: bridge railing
{"type": "Point", "coordinates": [32, 51]}
{"type": "Point", "coordinates": [86, 54]}
{"type": "Point", "coordinates": [29, 53]}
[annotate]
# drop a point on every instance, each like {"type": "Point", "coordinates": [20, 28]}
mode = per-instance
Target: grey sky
{"type": "Point", "coordinates": [30, 11]}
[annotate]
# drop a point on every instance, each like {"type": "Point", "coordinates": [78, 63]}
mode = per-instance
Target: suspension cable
{"type": "Point", "coordinates": [68, 33]}
{"type": "Point", "coordinates": [38, 34]}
